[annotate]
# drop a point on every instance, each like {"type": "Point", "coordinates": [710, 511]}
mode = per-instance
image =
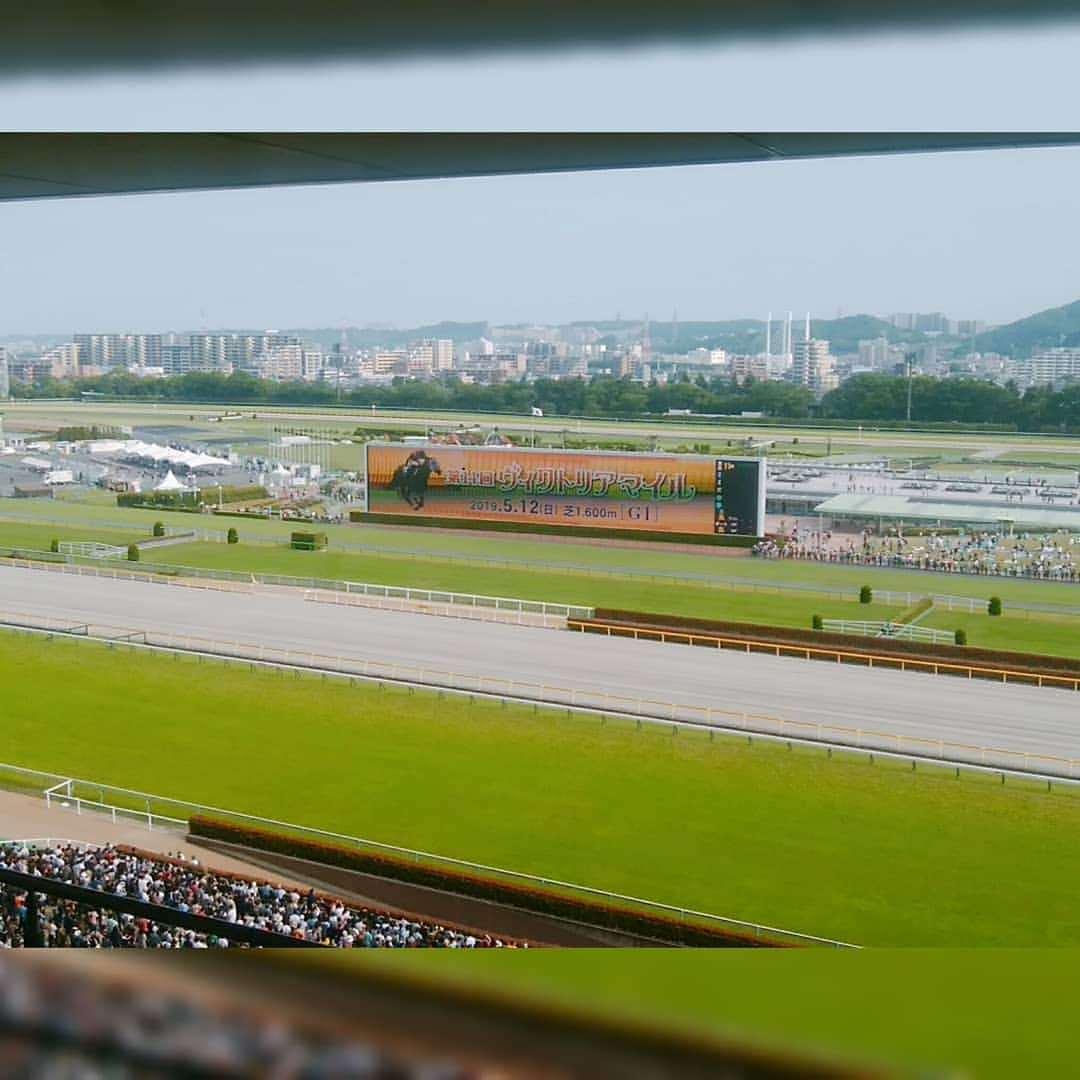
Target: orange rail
{"type": "Point", "coordinates": [809, 652]}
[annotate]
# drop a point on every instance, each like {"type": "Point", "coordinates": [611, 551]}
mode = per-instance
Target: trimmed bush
{"type": "Point", "coordinates": [232, 537]}
{"type": "Point", "coordinates": [159, 528]}
{"type": "Point", "coordinates": [133, 553]}
{"type": "Point", "coordinates": [817, 622]}
{"type": "Point", "coordinates": [455, 881]}
{"type": "Point", "coordinates": [994, 606]}
{"type": "Point", "coordinates": [866, 595]}
{"type": "Point", "coordinates": [54, 546]}
{"type": "Point", "coordinates": [960, 637]}
{"type": "Point", "coordinates": [308, 541]}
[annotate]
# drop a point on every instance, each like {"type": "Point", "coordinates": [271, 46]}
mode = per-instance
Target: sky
{"type": "Point", "coordinates": [987, 235]}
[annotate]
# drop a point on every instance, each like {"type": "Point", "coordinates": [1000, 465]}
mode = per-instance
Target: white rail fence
{"type": "Point", "coordinates": [124, 804]}
{"type": "Point", "coordinates": [396, 597]}
{"type": "Point", "coordinates": [893, 631]}
{"type": "Point", "coordinates": [90, 550]}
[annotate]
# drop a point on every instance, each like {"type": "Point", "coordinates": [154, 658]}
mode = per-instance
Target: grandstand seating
{"type": "Point", "coordinates": [160, 891]}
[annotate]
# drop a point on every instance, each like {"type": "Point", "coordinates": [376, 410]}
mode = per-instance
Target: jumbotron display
{"type": "Point", "coordinates": [650, 493]}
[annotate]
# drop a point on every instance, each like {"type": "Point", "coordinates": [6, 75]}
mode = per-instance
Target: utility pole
{"type": "Point", "coordinates": [909, 360]}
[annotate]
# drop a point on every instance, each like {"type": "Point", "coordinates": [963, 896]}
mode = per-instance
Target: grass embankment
{"type": "Point", "coordinates": [840, 848]}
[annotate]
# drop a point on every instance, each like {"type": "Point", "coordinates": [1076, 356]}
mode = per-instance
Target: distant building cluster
{"type": "Point", "coordinates": [791, 353]}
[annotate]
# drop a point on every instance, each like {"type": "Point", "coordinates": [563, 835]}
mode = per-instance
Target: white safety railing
{"type": "Point", "coordinates": [439, 601]}
{"type": "Point", "coordinates": [90, 550]}
{"type": "Point", "coordinates": [894, 631]}
{"type": "Point", "coordinates": [117, 803]}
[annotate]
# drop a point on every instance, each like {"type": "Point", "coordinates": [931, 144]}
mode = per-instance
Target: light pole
{"type": "Point", "coordinates": [909, 360]}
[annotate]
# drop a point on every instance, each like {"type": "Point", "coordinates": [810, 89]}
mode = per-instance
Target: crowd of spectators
{"type": "Point", "coordinates": [57, 1025]}
{"type": "Point", "coordinates": [1044, 556]}
{"type": "Point", "coordinates": [185, 886]}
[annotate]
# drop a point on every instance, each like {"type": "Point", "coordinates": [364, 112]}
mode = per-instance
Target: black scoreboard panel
{"type": "Point", "coordinates": [740, 498]}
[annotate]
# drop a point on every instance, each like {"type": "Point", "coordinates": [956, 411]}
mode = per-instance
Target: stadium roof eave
{"type": "Point", "coordinates": [40, 165]}
{"type": "Point", "coordinates": [899, 508]}
{"type": "Point", "coordinates": [109, 35]}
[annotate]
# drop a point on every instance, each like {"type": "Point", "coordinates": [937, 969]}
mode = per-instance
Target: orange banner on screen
{"type": "Point", "coordinates": [646, 492]}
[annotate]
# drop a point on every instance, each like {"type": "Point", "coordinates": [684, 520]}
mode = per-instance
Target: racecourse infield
{"type": "Point", "coordinates": [1014, 717]}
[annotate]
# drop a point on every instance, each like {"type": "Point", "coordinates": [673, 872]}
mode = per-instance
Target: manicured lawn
{"type": "Point", "coordinates": [1017, 630]}
{"type": "Point", "coordinates": [835, 847]}
{"type": "Point", "coordinates": [554, 586]}
{"type": "Point", "coordinates": [604, 557]}
{"type": "Point", "coordinates": [38, 537]}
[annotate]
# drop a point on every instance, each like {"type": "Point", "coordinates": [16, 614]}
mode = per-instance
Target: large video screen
{"type": "Point", "coordinates": [647, 492]}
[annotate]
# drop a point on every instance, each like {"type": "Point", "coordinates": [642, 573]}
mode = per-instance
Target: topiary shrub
{"type": "Point", "coordinates": [866, 595]}
{"type": "Point", "coordinates": [159, 528]}
{"type": "Point", "coordinates": [817, 622]}
{"type": "Point", "coordinates": [306, 541]}
{"type": "Point", "coordinates": [133, 553]}
{"type": "Point", "coordinates": [994, 607]}
{"type": "Point", "coordinates": [232, 537]}
{"type": "Point", "coordinates": [960, 637]}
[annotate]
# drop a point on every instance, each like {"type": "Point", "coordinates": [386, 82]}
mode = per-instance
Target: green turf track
{"type": "Point", "coordinates": [839, 848]}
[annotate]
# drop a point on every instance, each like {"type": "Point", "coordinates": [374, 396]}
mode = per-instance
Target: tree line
{"type": "Point", "coordinates": [863, 398]}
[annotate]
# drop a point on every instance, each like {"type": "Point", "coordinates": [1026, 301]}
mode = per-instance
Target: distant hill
{"type": "Point", "coordinates": [1044, 330]}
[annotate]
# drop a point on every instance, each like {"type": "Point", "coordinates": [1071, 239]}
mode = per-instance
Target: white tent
{"type": "Point", "coordinates": [170, 483]}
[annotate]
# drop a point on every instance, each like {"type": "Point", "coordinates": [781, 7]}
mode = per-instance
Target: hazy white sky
{"type": "Point", "coordinates": [980, 235]}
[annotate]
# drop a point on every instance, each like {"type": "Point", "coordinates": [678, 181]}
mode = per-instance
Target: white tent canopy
{"type": "Point", "coordinates": [134, 449]}
{"type": "Point", "coordinates": [170, 483]}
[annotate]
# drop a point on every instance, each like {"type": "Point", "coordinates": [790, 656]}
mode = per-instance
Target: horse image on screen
{"type": "Point", "coordinates": [646, 493]}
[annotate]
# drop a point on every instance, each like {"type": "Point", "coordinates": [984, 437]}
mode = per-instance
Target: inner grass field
{"type": "Point", "coordinates": [596, 585]}
{"type": "Point", "coordinates": [724, 562]}
{"type": "Point", "coordinates": [873, 854]}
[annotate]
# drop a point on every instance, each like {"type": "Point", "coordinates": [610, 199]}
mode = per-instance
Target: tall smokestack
{"type": "Point", "coordinates": [768, 336]}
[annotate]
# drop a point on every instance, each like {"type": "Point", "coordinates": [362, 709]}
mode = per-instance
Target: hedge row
{"type": "Point", "coordinates": [607, 916]}
{"type": "Point", "coordinates": [1035, 663]}
{"type": "Point", "coordinates": [178, 499]}
{"type": "Point", "coordinates": [308, 541]}
{"type": "Point", "coordinates": [159, 507]}
{"type": "Point", "coordinates": [168, 499]}
{"type": "Point", "coordinates": [586, 531]}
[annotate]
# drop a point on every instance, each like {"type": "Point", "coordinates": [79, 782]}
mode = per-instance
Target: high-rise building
{"type": "Point", "coordinates": [5, 378]}
{"type": "Point", "coordinates": [813, 366]}
{"type": "Point", "coordinates": [109, 351]}
{"type": "Point", "coordinates": [443, 358]}
{"type": "Point", "coordinates": [287, 363]}
{"type": "Point", "coordinates": [1051, 367]}
{"type": "Point", "coordinates": [874, 353]}
{"type": "Point", "coordinates": [62, 361]}
{"type": "Point", "coordinates": [743, 367]}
